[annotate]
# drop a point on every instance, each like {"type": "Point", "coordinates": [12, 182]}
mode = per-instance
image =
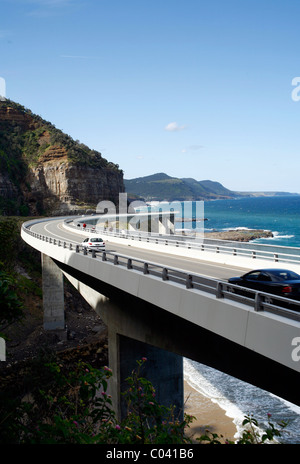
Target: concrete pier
{"type": "Point", "coordinates": [132, 336]}
{"type": "Point", "coordinates": [53, 295]}
{"type": "Point", "coordinates": [162, 368]}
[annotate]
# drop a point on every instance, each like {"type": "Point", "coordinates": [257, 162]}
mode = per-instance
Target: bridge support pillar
{"type": "Point", "coordinates": [131, 337]}
{"type": "Point", "coordinates": [162, 368]}
{"type": "Point", "coordinates": [53, 295]}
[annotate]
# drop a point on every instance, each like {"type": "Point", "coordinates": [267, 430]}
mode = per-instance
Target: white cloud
{"type": "Point", "coordinates": [192, 148]}
{"type": "Point", "coordinates": [195, 147]}
{"type": "Point", "coordinates": [174, 127]}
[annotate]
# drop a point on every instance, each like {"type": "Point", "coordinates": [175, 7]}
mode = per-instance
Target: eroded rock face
{"type": "Point", "coordinates": [65, 187]}
{"type": "Point", "coordinates": [47, 171]}
{"type": "Point", "coordinates": [13, 116]}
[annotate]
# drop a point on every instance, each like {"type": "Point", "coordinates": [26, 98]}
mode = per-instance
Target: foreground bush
{"type": "Point", "coordinates": [70, 405]}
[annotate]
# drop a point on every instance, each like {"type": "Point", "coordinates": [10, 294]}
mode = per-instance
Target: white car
{"type": "Point", "coordinates": [93, 243]}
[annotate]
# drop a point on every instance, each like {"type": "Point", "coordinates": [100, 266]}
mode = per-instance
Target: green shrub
{"type": "Point", "coordinates": [69, 404]}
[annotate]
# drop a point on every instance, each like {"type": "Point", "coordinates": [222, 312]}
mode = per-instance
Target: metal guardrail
{"type": "Point", "coordinates": [259, 301]}
{"type": "Point", "coordinates": [273, 256]}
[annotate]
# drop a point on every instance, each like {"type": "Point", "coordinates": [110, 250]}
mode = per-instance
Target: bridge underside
{"type": "Point", "coordinates": [129, 316]}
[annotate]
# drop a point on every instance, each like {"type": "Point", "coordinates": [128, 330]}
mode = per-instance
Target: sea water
{"type": "Point", "coordinates": [278, 214]}
{"type": "Point", "coordinates": [238, 399]}
{"type": "Point", "coordinates": [281, 215]}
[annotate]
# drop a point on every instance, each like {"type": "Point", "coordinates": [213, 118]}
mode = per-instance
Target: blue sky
{"type": "Point", "coordinates": [191, 88]}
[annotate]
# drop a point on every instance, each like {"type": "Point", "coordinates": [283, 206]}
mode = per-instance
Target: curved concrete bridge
{"type": "Point", "coordinates": [163, 313]}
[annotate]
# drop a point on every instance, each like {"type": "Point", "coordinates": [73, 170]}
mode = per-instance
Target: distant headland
{"type": "Point", "coordinates": [161, 187]}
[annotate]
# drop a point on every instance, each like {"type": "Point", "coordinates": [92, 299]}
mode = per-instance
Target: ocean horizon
{"type": "Point", "coordinates": [278, 214]}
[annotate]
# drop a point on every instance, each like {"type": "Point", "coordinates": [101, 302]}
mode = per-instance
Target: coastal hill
{"type": "Point", "coordinates": [45, 171]}
{"type": "Point", "coordinates": [161, 187]}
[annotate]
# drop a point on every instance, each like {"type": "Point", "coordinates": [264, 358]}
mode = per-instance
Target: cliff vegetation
{"type": "Point", "coordinates": [43, 170]}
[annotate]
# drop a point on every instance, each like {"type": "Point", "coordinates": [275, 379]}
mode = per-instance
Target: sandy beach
{"type": "Point", "coordinates": [209, 416]}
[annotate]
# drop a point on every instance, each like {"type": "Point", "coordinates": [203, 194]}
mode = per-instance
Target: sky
{"type": "Point", "coordinates": [207, 89]}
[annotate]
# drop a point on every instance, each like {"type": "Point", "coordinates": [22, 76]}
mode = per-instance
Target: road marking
{"type": "Point", "coordinates": [58, 236]}
{"type": "Point", "coordinates": [183, 259]}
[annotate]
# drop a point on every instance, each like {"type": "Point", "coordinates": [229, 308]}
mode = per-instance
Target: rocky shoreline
{"type": "Point", "coordinates": [239, 235]}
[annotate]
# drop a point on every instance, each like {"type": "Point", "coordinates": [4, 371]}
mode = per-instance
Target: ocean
{"type": "Point", "coordinates": [281, 215]}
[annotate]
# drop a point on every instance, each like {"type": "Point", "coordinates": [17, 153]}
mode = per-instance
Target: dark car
{"type": "Point", "coordinates": [280, 282]}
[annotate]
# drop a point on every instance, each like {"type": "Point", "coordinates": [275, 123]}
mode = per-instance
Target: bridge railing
{"type": "Point", "coordinates": [278, 255]}
{"type": "Point", "coordinates": [259, 301]}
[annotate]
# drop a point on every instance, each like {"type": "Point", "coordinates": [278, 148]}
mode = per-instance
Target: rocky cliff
{"type": "Point", "coordinates": [44, 171]}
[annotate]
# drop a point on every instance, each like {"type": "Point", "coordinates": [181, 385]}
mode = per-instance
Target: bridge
{"type": "Point", "coordinates": [167, 299]}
